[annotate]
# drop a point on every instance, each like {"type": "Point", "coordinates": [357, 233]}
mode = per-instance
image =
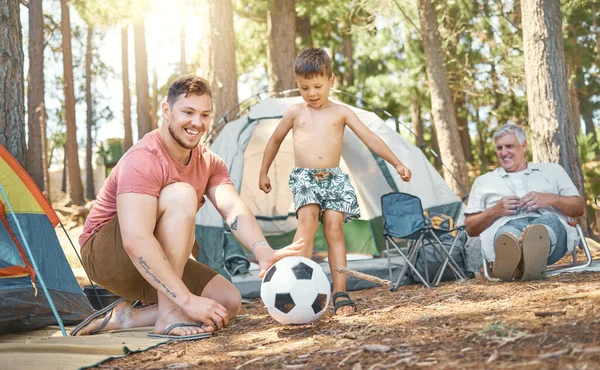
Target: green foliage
{"type": "Point", "coordinates": [587, 147]}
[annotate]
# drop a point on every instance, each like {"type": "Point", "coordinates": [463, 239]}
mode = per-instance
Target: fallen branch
{"type": "Point", "coordinates": [249, 362]}
{"type": "Point", "coordinates": [549, 313]}
{"type": "Point", "coordinates": [595, 294]}
{"type": "Point", "coordinates": [363, 276]}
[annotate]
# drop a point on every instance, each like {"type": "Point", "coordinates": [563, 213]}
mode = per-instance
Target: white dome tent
{"type": "Point", "coordinates": [241, 142]}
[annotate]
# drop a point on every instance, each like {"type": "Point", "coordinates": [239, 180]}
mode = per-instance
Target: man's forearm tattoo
{"type": "Point", "coordinates": [234, 223]}
{"type": "Point", "coordinates": [154, 277]}
{"type": "Point", "coordinates": [257, 244]}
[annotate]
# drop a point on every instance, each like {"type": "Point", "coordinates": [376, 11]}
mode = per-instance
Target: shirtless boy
{"type": "Point", "coordinates": [320, 189]}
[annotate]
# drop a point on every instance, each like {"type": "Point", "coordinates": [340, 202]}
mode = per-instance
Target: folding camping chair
{"type": "Point", "coordinates": [551, 270]}
{"type": "Point", "coordinates": [403, 219]}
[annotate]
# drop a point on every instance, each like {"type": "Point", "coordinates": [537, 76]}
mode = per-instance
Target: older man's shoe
{"type": "Point", "coordinates": [508, 256]}
{"type": "Point", "coordinates": [536, 247]}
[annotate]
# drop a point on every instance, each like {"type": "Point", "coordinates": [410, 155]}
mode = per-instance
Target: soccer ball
{"type": "Point", "coordinates": [295, 290]}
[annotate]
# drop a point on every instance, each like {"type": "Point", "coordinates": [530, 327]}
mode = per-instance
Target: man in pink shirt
{"type": "Point", "coordinates": [139, 235]}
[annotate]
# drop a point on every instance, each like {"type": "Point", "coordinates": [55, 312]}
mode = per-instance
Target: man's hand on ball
{"type": "Point", "coordinates": [266, 256]}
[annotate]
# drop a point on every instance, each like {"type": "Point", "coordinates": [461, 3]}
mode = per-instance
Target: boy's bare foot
{"type": "Point", "coordinates": [343, 306]}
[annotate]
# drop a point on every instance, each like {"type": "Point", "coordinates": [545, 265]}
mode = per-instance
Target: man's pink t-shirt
{"type": "Point", "coordinates": [147, 168]}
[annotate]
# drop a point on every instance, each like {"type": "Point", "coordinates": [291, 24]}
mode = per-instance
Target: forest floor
{"type": "Point", "coordinates": [551, 324]}
{"type": "Point", "coordinates": [475, 324]}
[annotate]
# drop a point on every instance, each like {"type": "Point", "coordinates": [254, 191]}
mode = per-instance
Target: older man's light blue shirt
{"type": "Point", "coordinates": [489, 188]}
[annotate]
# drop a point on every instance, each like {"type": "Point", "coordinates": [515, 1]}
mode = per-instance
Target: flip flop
{"type": "Point", "coordinates": [536, 247]}
{"type": "Point", "coordinates": [508, 256]}
{"type": "Point", "coordinates": [108, 310]}
{"type": "Point", "coordinates": [165, 333]}
{"type": "Point", "coordinates": [345, 302]}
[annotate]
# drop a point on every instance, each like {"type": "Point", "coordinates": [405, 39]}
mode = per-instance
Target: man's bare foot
{"type": "Point", "coordinates": [343, 307]}
{"type": "Point", "coordinates": [176, 315]}
{"type": "Point", "coordinates": [117, 318]}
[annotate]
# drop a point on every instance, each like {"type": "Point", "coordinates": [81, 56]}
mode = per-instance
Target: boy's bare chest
{"type": "Point", "coordinates": [318, 124]}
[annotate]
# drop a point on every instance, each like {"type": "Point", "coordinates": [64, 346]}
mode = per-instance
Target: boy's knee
{"type": "Point", "coordinates": [333, 230]}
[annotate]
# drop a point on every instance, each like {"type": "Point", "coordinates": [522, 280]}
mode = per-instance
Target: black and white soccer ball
{"type": "Point", "coordinates": [295, 290]}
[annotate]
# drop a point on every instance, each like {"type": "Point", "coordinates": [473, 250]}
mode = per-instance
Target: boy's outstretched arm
{"type": "Point", "coordinates": [375, 143]}
{"type": "Point", "coordinates": [284, 126]}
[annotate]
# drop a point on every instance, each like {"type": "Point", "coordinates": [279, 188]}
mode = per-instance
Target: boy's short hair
{"type": "Point", "coordinates": [187, 84]}
{"type": "Point", "coordinates": [510, 128]}
{"type": "Point", "coordinates": [312, 62]}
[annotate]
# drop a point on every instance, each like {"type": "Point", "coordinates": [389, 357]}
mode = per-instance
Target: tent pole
{"type": "Point", "coordinates": [34, 264]}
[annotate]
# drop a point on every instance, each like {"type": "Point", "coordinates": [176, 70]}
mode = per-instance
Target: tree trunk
{"type": "Point", "coordinates": [435, 146]}
{"type": "Point", "coordinates": [304, 30]}
{"type": "Point", "coordinates": [463, 127]}
{"type": "Point", "coordinates": [89, 170]}
{"type": "Point", "coordinates": [218, 63]}
{"type": "Point", "coordinates": [74, 186]}
{"type": "Point", "coordinates": [141, 78]}
{"type": "Point", "coordinates": [347, 51]}
{"type": "Point", "coordinates": [45, 156]}
{"type": "Point", "coordinates": [12, 100]}
{"type": "Point", "coordinates": [126, 95]}
{"type": "Point", "coordinates": [553, 136]}
{"type": "Point", "coordinates": [575, 114]}
{"type": "Point", "coordinates": [415, 117]}
{"type": "Point", "coordinates": [442, 109]}
{"type": "Point", "coordinates": [63, 185]}
{"type": "Point", "coordinates": [182, 58]}
{"type": "Point", "coordinates": [35, 94]}
{"type": "Point", "coordinates": [281, 51]}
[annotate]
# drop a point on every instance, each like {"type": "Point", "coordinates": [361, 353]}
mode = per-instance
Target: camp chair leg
{"type": "Point", "coordinates": [406, 266]}
{"type": "Point", "coordinates": [573, 266]}
{"type": "Point", "coordinates": [438, 275]}
{"type": "Point", "coordinates": [486, 273]}
{"type": "Point", "coordinates": [453, 265]}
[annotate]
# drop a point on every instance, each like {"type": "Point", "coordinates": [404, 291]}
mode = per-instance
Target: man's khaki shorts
{"type": "Point", "coordinates": [108, 264]}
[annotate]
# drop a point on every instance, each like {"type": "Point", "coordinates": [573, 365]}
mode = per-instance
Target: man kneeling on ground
{"type": "Point", "coordinates": [520, 211]}
{"type": "Point", "coordinates": [139, 234]}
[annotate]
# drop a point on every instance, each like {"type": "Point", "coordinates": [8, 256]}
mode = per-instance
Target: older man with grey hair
{"type": "Point", "coordinates": [520, 210]}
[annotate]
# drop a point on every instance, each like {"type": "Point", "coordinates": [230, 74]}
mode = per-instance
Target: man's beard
{"type": "Point", "coordinates": [180, 141]}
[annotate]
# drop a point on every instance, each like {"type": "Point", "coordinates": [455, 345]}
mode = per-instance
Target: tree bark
{"type": "Point", "coordinates": [442, 109]}
{"type": "Point", "coordinates": [347, 51]}
{"type": "Point", "coordinates": [74, 186]}
{"type": "Point", "coordinates": [35, 95]}
{"type": "Point", "coordinates": [553, 136]}
{"type": "Point", "coordinates": [281, 51]}
{"type": "Point", "coordinates": [415, 117]}
{"type": "Point", "coordinates": [126, 94]}
{"type": "Point", "coordinates": [45, 156]}
{"type": "Point", "coordinates": [304, 30]}
{"type": "Point", "coordinates": [12, 100]}
{"type": "Point", "coordinates": [218, 62]}
{"type": "Point", "coordinates": [463, 127]}
{"type": "Point", "coordinates": [575, 114]}
{"type": "Point", "coordinates": [89, 170]}
{"type": "Point", "coordinates": [144, 123]}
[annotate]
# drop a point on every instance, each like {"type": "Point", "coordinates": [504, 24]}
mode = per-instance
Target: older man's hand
{"type": "Point", "coordinates": [507, 206]}
{"type": "Point", "coordinates": [533, 201]}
